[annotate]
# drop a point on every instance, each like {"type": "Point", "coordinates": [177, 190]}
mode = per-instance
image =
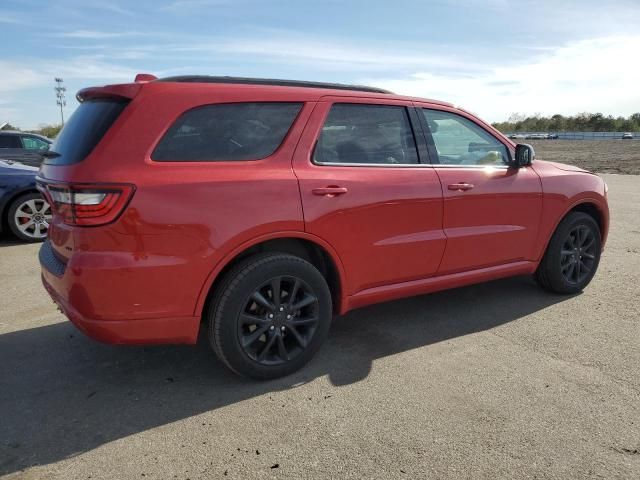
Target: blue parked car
{"type": "Point", "coordinates": [23, 210]}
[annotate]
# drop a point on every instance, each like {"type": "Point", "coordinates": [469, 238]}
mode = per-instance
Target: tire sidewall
{"type": "Point", "coordinates": [552, 261]}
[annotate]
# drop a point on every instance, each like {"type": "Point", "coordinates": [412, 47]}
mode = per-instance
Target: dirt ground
{"type": "Point", "coordinates": [601, 156]}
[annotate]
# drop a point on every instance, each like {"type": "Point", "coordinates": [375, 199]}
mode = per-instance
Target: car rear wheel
{"type": "Point", "coordinates": [29, 217]}
{"type": "Point", "coordinates": [573, 255]}
{"type": "Point", "coordinates": [269, 315]}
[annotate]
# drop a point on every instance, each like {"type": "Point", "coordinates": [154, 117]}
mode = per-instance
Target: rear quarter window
{"type": "Point", "coordinates": [227, 132]}
{"type": "Point", "coordinates": [85, 129]}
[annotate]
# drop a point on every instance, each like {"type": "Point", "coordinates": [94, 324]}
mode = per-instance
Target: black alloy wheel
{"type": "Point", "coordinates": [278, 321]}
{"type": "Point", "coordinates": [269, 315]}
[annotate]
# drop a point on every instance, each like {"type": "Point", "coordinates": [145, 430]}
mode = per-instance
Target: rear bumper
{"type": "Point", "coordinates": [58, 282]}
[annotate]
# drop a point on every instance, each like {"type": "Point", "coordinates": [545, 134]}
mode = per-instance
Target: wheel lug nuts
{"type": "Point", "coordinates": [288, 317]}
{"type": "Point", "coordinates": [271, 315]}
{"type": "Point", "coordinates": [281, 308]}
{"type": "Point", "coordinates": [272, 327]}
{"type": "Point", "coordinates": [282, 328]}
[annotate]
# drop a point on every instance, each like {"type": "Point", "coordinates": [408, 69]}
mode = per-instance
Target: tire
{"type": "Point", "coordinates": [575, 245]}
{"type": "Point", "coordinates": [28, 217]}
{"type": "Point", "coordinates": [261, 335]}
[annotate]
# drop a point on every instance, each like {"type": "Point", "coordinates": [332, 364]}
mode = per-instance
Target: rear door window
{"type": "Point", "coordinates": [10, 141]}
{"type": "Point", "coordinates": [366, 134]}
{"type": "Point", "coordinates": [85, 129]}
{"type": "Point", "coordinates": [227, 132]}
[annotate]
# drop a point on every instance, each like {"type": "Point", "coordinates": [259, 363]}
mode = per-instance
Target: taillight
{"type": "Point", "coordinates": [87, 205]}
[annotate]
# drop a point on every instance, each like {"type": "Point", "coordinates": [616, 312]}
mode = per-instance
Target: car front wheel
{"type": "Point", "coordinates": [573, 255]}
{"type": "Point", "coordinates": [269, 315]}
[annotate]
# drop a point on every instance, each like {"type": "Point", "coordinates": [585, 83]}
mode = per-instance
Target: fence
{"type": "Point", "coordinates": [579, 135]}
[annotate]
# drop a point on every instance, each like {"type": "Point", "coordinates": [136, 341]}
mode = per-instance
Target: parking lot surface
{"type": "Point", "coordinates": [499, 380]}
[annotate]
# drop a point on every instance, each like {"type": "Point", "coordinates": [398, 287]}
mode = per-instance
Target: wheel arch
{"type": "Point", "coordinates": [593, 207]}
{"type": "Point", "coordinates": [313, 249]}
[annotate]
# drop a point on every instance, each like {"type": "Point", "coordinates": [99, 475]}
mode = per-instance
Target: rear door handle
{"type": "Point", "coordinates": [463, 186]}
{"type": "Point", "coordinates": [329, 191]}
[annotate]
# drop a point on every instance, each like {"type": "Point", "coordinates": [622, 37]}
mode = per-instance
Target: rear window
{"type": "Point", "coordinates": [85, 129]}
{"type": "Point", "coordinates": [227, 132]}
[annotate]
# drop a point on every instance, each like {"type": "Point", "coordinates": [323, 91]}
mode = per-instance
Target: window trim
{"type": "Point", "coordinates": [431, 145]}
{"type": "Point", "coordinates": [407, 108]}
{"type": "Point", "coordinates": [284, 140]}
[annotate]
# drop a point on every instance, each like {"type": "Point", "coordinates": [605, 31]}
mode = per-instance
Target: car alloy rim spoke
{"type": "Point", "coordinates": [306, 300]}
{"type": "Point", "coordinates": [275, 291]}
{"type": "Point", "coordinates": [577, 256]}
{"type": "Point", "coordinates": [304, 321]}
{"type": "Point", "coordinates": [267, 347]}
{"type": "Point", "coordinates": [24, 227]}
{"type": "Point", "coordinates": [259, 298]}
{"type": "Point", "coordinates": [282, 350]}
{"type": "Point", "coordinates": [255, 335]}
{"type": "Point", "coordinates": [294, 332]}
{"type": "Point", "coordinates": [278, 320]}
{"type": "Point", "coordinates": [247, 318]}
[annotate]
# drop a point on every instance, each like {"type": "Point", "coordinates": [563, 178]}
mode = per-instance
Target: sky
{"type": "Point", "coordinates": [492, 57]}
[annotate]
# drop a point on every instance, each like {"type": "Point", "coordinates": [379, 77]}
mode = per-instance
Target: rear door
{"type": "Point", "coordinates": [10, 147]}
{"type": "Point", "coordinates": [491, 212]}
{"type": "Point", "coordinates": [368, 190]}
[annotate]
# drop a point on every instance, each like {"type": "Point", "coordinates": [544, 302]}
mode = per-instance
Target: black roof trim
{"type": "Point", "coordinates": [270, 81]}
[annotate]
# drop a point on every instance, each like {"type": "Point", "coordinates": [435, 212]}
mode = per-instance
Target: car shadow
{"type": "Point", "coordinates": [62, 394]}
{"type": "Point", "coordinates": [7, 240]}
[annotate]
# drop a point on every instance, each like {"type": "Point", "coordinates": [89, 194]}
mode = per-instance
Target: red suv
{"type": "Point", "coordinates": [260, 208]}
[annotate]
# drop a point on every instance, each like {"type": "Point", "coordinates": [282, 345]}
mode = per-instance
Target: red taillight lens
{"type": "Point", "coordinates": [87, 205]}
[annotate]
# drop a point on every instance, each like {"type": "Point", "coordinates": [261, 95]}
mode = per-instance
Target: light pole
{"type": "Point", "coordinates": [60, 100]}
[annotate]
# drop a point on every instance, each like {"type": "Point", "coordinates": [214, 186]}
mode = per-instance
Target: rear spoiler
{"type": "Point", "coordinates": [125, 90]}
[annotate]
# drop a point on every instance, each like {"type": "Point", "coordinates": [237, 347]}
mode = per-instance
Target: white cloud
{"type": "Point", "coordinates": [10, 19]}
{"type": "Point", "coordinates": [325, 55]}
{"type": "Point", "coordinates": [597, 75]}
{"type": "Point", "coordinates": [95, 34]}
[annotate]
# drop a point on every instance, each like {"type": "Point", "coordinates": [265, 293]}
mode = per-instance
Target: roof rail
{"type": "Point", "coordinates": [270, 81]}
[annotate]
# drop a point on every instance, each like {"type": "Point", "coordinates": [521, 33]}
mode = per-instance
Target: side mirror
{"type": "Point", "coordinates": [524, 156]}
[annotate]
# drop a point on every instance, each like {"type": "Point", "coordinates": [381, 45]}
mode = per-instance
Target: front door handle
{"type": "Point", "coordinates": [463, 186]}
{"type": "Point", "coordinates": [329, 191]}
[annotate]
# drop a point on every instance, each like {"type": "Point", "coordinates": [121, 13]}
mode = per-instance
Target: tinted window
{"type": "Point", "coordinates": [375, 134]}
{"type": "Point", "coordinates": [460, 141]}
{"type": "Point", "coordinates": [84, 130]}
{"type": "Point", "coordinates": [32, 143]}
{"type": "Point", "coordinates": [10, 141]}
{"type": "Point", "coordinates": [227, 132]}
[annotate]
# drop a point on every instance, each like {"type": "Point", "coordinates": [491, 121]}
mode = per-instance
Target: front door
{"type": "Point", "coordinates": [491, 212]}
{"type": "Point", "coordinates": [365, 191]}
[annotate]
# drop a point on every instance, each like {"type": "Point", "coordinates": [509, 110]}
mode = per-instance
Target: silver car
{"type": "Point", "coordinates": [26, 148]}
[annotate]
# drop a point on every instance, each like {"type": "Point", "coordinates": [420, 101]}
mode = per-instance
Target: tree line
{"type": "Point", "coordinates": [583, 122]}
{"type": "Point", "coordinates": [49, 131]}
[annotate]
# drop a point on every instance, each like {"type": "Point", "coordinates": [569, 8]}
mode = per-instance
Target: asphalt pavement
{"type": "Point", "coordinates": [499, 380]}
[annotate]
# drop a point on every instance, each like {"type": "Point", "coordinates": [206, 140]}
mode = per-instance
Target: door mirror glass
{"type": "Point", "coordinates": [524, 155]}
